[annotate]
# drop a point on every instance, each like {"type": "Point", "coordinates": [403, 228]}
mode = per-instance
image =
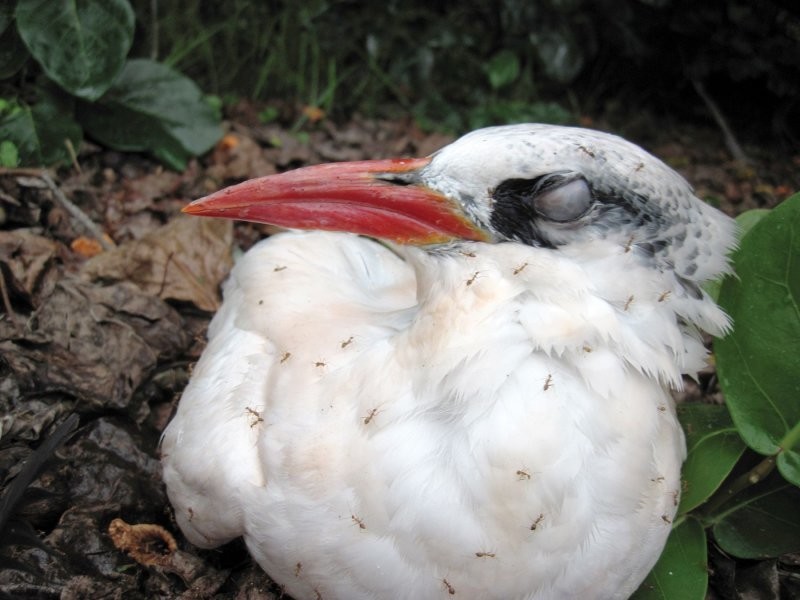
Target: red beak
{"type": "Point", "coordinates": [359, 197]}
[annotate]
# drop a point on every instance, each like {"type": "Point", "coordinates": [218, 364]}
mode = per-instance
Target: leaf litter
{"type": "Point", "coordinates": [111, 334]}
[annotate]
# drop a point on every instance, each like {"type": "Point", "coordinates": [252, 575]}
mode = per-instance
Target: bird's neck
{"type": "Point", "coordinates": [487, 307]}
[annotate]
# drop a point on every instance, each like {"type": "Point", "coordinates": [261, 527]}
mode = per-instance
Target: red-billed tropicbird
{"type": "Point", "coordinates": [478, 406]}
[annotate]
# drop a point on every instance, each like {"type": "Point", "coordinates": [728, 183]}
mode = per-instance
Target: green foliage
{"type": "Point", "coordinates": [759, 366]}
{"type": "Point", "coordinates": [760, 522]}
{"type": "Point", "coordinates": [714, 447]}
{"type": "Point", "coordinates": [9, 155]}
{"type": "Point", "coordinates": [748, 505]}
{"type": "Point", "coordinates": [39, 131]}
{"type": "Point", "coordinates": [87, 84]}
{"type": "Point", "coordinates": [152, 107]}
{"type": "Point", "coordinates": [441, 61]}
{"type": "Point", "coordinates": [681, 571]}
{"type": "Point", "coordinates": [79, 45]}
{"type": "Point", "coordinates": [502, 69]}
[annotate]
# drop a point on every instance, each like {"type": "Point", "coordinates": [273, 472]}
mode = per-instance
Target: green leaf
{"type": "Point", "coordinates": [761, 522]}
{"type": "Point", "coordinates": [80, 44]}
{"type": "Point", "coordinates": [40, 133]}
{"type": "Point", "coordinates": [682, 570]}
{"type": "Point", "coordinates": [745, 221]}
{"type": "Point", "coordinates": [502, 69]}
{"type": "Point", "coordinates": [153, 108]}
{"type": "Point", "coordinates": [759, 362]}
{"type": "Point", "coordinates": [748, 219]}
{"type": "Point", "coordinates": [9, 155]}
{"type": "Point", "coordinates": [714, 447]}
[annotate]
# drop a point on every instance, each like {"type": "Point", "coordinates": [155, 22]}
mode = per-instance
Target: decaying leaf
{"type": "Point", "coordinates": [95, 344]}
{"type": "Point", "coordinates": [186, 260]}
{"type": "Point", "coordinates": [147, 544]}
{"type": "Point", "coordinates": [86, 246]}
{"type": "Point", "coordinates": [26, 261]}
{"type": "Point", "coordinates": [238, 156]}
{"type": "Point", "coordinates": [153, 546]}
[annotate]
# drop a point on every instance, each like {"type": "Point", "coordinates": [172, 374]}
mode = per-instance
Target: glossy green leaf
{"type": "Point", "coordinates": [80, 44]}
{"type": "Point", "coordinates": [40, 133]}
{"type": "Point", "coordinates": [155, 109]}
{"type": "Point", "coordinates": [749, 218]}
{"type": "Point", "coordinates": [714, 446]}
{"type": "Point", "coordinates": [759, 362]}
{"type": "Point", "coordinates": [761, 522]}
{"type": "Point", "coordinates": [745, 223]}
{"type": "Point", "coordinates": [502, 69]}
{"type": "Point", "coordinates": [682, 570]}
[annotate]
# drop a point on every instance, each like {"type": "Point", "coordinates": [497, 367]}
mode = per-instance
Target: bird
{"type": "Point", "coordinates": [452, 376]}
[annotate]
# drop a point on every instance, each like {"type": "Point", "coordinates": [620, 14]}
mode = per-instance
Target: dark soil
{"type": "Point", "coordinates": [105, 294]}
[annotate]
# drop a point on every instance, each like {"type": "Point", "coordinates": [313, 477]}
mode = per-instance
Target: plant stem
{"type": "Point", "coordinates": [791, 438]}
{"type": "Point", "coordinates": [751, 477]}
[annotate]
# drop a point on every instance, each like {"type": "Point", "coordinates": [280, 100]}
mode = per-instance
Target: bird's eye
{"type": "Point", "coordinates": [564, 203]}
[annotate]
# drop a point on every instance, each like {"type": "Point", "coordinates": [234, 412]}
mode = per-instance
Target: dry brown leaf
{"type": "Point", "coordinates": [313, 113]}
{"type": "Point", "coordinates": [185, 260]}
{"type": "Point", "coordinates": [238, 156]}
{"type": "Point", "coordinates": [26, 260]}
{"type": "Point", "coordinates": [148, 544]}
{"type": "Point", "coordinates": [93, 343]}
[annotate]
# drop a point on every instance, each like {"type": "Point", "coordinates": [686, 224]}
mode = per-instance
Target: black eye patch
{"type": "Point", "coordinates": [519, 204]}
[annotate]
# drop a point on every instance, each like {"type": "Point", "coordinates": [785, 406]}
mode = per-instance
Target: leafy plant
{"type": "Point", "coordinates": [742, 474]}
{"type": "Point", "coordinates": [86, 83]}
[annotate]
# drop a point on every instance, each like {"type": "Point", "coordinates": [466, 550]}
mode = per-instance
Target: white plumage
{"type": "Point", "coordinates": [478, 419]}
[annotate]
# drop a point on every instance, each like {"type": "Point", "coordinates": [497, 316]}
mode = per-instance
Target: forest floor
{"type": "Point", "coordinates": [106, 291]}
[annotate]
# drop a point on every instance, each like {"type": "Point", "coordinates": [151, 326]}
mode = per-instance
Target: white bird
{"type": "Point", "coordinates": [479, 406]}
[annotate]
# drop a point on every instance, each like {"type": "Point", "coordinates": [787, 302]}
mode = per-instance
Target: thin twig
{"type": "Point", "coordinates": [6, 299]}
{"type": "Point", "coordinates": [77, 213]}
{"type": "Point", "coordinates": [751, 477]}
{"type": "Point", "coordinates": [730, 140]}
{"type": "Point", "coordinates": [73, 156]}
{"type": "Point", "coordinates": [71, 208]}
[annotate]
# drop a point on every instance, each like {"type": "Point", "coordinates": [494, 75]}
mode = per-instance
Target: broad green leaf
{"type": "Point", "coordinates": [9, 155]}
{"type": "Point", "coordinates": [759, 361]}
{"type": "Point", "coordinates": [714, 447]}
{"type": "Point", "coordinates": [761, 522]}
{"type": "Point", "coordinates": [748, 219]}
{"type": "Point", "coordinates": [745, 223]}
{"type": "Point", "coordinates": [153, 108]}
{"type": "Point", "coordinates": [502, 69]}
{"type": "Point", "coordinates": [682, 570]}
{"type": "Point", "coordinates": [80, 44]}
{"type": "Point", "coordinates": [40, 133]}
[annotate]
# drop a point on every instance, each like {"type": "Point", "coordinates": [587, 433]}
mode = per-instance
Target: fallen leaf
{"type": "Point", "coordinates": [146, 543]}
{"type": "Point", "coordinates": [238, 156]}
{"type": "Point", "coordinates": [185, 260]}
{"type": "Point", "coordinates": [86, 247]}
{"type": "Point", "coordinates": [94, 344]}
{"type": "Point", "coordinates": [26, 261]}
{"type": "Point", "coordinates": [313, 113]}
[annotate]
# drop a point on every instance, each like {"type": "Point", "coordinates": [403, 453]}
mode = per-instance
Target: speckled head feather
{"type": "Point", "coordinates": [634, 196]}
